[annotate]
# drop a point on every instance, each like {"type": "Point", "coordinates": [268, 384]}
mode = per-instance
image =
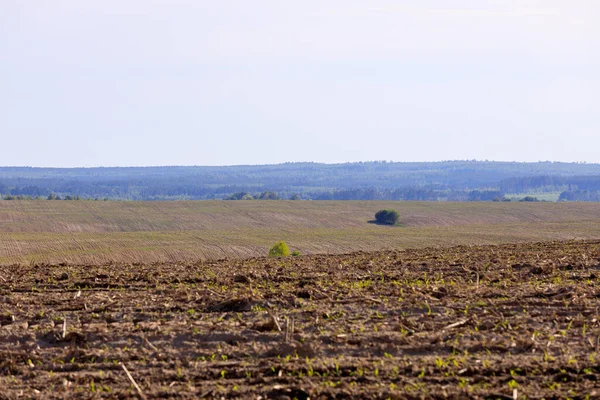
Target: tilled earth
{"type": "Point", "coordinates": [513, 321]}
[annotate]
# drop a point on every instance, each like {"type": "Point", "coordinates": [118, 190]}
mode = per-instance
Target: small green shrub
{"type": "Point", "coordinates": [295, 253]}
{"type": "Point", "coordinates": [280, 249]}
{"type": "Point", "coordinates": [390, 217]}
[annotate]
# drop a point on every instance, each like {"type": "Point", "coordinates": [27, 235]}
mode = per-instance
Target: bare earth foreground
{"type": "Point", "coordinates": [509, 321]}
{"type": "Point", "coordinates": [97, 232]}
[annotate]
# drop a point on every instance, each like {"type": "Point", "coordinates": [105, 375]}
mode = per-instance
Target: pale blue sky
{"type": "Point", "coordinates": [194, 82]}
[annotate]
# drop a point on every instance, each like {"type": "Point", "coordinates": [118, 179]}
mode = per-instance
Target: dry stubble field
{"type": "Point", "coordinates": [510, 321]}
{"type": "Point", "coordinates": [87, 232]}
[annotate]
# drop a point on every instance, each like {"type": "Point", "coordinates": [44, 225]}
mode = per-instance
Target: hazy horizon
{"type": "Point", "coordinates": [191, 83]}
{"type": "Point", "coordinates": [303, 162]}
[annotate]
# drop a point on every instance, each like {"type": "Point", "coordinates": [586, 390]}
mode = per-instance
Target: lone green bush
{"type": "Point", "coordinates": [389, 217]}
{"type": "Point", "coordinates": [295, 253]}
{"type": "Point", "coordinates": [280, 249]}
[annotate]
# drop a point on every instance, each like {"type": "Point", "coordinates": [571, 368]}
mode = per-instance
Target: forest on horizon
{"type": "Point", "coordinates": [374, 180]}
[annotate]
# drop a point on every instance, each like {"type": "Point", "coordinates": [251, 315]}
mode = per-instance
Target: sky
{"type": "Point", "coordinates": [228, 82]}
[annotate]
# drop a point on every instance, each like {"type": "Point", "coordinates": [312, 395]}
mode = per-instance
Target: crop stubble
{"type": "Point", "coordinates": [480, 322]}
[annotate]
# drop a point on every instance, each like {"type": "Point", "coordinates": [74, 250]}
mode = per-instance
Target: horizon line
{"type": "Point", "coordinates": [307, 162]}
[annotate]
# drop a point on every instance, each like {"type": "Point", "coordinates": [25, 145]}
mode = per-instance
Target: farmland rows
{"type": "Point", "coordinates": [479, 322]}
{"type": "Point", "coordinates": [123, 216]}
{"type": "Point", "coordinates": [85, 232]}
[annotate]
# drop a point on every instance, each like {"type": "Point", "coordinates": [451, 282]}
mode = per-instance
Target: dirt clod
{"type": "Point", "coordinates": [233, 305]}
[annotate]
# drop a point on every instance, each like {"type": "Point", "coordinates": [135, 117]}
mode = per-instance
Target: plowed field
{"type": "Point", "coordinates": [503, 321]}
{"type": "Point", "coordinates": [101, 232]}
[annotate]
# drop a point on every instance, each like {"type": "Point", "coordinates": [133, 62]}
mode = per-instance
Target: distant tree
{"type": "Point", "coordinates": [295, 196]}
{"type": "Point", "coordinates": [528, 199]}
{"type": "Point", "coordinates": [52, 196]}
{"type": "Point", "coordinates": [240, 196]}
{"type": "Point", "coordinates": [9, 197]}
{"type": "Point", "coordinates": [389, 217]}
{"type": "Point", "coordinates": [267, 195]}
{"type": "Point", "coordinates": [234, 196]}
{"type": "Point", "coordinates": [280, 249]}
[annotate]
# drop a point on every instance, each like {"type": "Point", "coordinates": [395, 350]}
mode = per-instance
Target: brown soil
{"type": "Point", "coordinates": [466, 322]}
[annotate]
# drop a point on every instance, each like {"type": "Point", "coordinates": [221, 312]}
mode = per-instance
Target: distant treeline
{"type": "Point", "coordinates": [580, 195]}
{"type": "Point", "coordinates": [549, 184]}
{"type": "Point", "coordinates": [377, 180]}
